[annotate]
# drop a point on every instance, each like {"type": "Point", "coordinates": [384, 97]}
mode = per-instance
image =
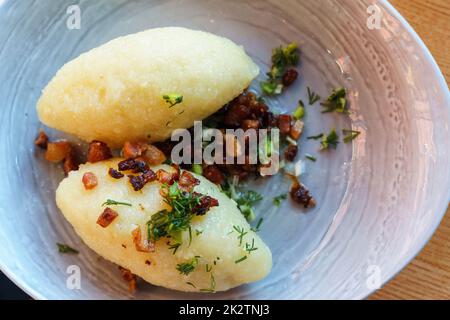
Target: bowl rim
{"type": "Point", "coordinates": [438, 75]}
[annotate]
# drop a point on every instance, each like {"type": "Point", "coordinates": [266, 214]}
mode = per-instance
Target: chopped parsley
{"type": "Point", "coordinates": [282, 58]}
{"type": "Point", "coordinates": [187, 267]}
{"type": "Point", "coordinates": [310, 157]}
{"type": "Point", "coordinates": [299, 113]}
{"type": "Point", "coordinates": [329, 141]}
{"type": "Point", "coordinates": [336, 102]}
{"type": "Point", "coordinates": [110, 202]}
{"type": "Point", "coordinates": [173, 99]}
{"type": "Point", "coordinates": [350, 135]}
{"type": "Point", "coordinates": [241, 259]}
{"type": "Point", "coordinates": [64, 248]}
{"type": "Point", "coordinates": [278, 199]}
{"type": "Point", "coordinates": [312, 96]}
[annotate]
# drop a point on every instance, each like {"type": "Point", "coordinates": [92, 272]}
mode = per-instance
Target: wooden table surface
{"type": "Point", "coordinates": [428, 276]}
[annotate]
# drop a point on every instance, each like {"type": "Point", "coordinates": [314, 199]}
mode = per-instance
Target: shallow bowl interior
{"type": "Point", "coordinates": [379, 199]}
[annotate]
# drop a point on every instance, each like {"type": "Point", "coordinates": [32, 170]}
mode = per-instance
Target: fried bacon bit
{"type": "Point", "coordinates": [296, 129]}
{"type": "Point", "coordinates": [284, 123]}
{"type": "Point", "coordinates": [168, 177]}
{"type": "Point", "coordinates": [154, 156]}
{"type": "Point", "coordinates": [301, 195]}
{"type": "Point", "coordinates": [137, 165]}
{"type": "Point", "coordinates": [98, 151]}
{"type": "Point", "coordinates": [108, 215]}
{"type": "Point", "coordinates": [129, 278]}
{"type": "Point", "coordinates": [206, 202]}
{"type": "Point", "coordinates": [214, 174]}
{"type": "Point", "coordinates": [289, 77]}
{"type": "Point", "coordinates": [57, 151]}
{"type": "Point", "coordinates": [70, 163]}
{"type": "Point", "coordinates": [115, 174]}
{"type": "Point", "coordinates": [148, 262]}
{"type": "Point", "coordinates": [89, 180]}
{"type": "Point", "coordinates": [41, 140]}
{"type": "Point", "coordinates": [250, 124]}
{"type": "Point", "coordinates": [236, 114]}
{"type": "Point", "coordinates": [187, 181]}
{"type": "Point", "coordinates": [140, 244]}
{"type": "Point", "coordinates": [133, 149]}
{"type": "Point", "coordinates": [139, 181]}
{"type": "Point", "coordinates": [291, 152]}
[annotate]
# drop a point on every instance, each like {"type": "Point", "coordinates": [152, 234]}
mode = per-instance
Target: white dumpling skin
{"type": "Point", "coordinates": [218, 241]}
{"type": "Point", "coordinates": [114, 93]}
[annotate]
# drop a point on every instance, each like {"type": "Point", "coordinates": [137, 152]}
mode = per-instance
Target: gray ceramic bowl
{"type": "Point", "coordinates": [379, 200]}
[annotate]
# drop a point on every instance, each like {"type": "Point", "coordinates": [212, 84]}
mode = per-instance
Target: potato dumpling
{"type": "Point", "coordinates": [114, 93]}
{"type": "Point", "coordinates": [215, 242]}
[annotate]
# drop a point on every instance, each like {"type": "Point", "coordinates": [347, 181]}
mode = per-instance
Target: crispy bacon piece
{"type": "Point", "coordinates": [139, 181]}
{"type": "Point", "coordinates": [284, 123]}
{"type": "Point", "coordinates": [236, 114]}
{"type": "Point", "coordinates": [187, 181]}
{"type": "Point", "coordinates": [57, 151]}
{"type": "Point", "coordinates": [214, 174]}
{"type": "Point", "coordinates": [98, 151]}
{"type": "Point", "coordinates": [115, 174]}
{"type": "Point", "coordinates": [168, 177]}
{"type": "Point", "coordinates": [108, 215]}
{"type": "Point", "coordinates": [291, 152]}
{"type": "Point", "coordinates": [129, 278]}
{"type": "Point", "coordinates": [142, 245]}
{"type": "Point", "coordinates": [154, 156]}
{"type": "Point", "coordinates": [41, 140]}
{"type": "Point", "coordinates": [70, 163]}
{"type": "Point", "coordinates": [296, 129]}
{"type": "Point", "coordinates": [206, 203]}
{"type": "Point", "coordinates": [301, 195]}
{"type": "Point", "coordinates": [250, 124]}
{"type": "Point", "coordinates": [133, 149]}
{"type": "Point", "coordinates": [289, 77]}
{"type": "Point", "coordinates": [89, 180]}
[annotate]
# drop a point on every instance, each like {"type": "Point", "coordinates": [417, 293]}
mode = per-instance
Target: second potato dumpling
{"type": "Point", "coordinates": [114, 93]}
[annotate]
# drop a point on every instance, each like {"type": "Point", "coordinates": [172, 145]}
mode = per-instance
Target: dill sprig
{"type": "Point", "coordinates": [258, 225]}
{"type": "Point", "coordinates": [312, 96]}
{"type": "Point", "coordinates": [241, 233]}
{"type": "Point", "coordinates": [187, 267]}
{"type": "Point", "coordinates": [278, 199]}
{"type": "Point", "coordinates": [330, 140]}
{"type": "Point", "coordinates": [173, 99]}
{"type": "Point", "coordinates": [212, 287]}
{"type": "Point", "coordinates": [336, 102]}
{"type": "Point", "coordinates": [350, 135]}
{"type": "Point", "coordinates": [64, 248]}
{"type": "Point", "coordinates": [110, 202]}
{"type": "Point", "coordinates": [250, 247]}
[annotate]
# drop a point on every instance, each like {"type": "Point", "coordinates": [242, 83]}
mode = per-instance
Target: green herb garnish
{"type": "Point", "coordinates": [258, 225]}
{"type": "Point", "coordinates": [317, 137]}
{"type": "Point", "coordinates": [198, 232]}
{"type": "Point", "coordinates": [187, 267]}
{"type": "Point", "coordinates": [312, 96]}
{"type": "Point", "coordinates": [172, 223]}
{"type": "Point", "coordinates": [350, 135]}
{"type": "Point", "coordinates": [197, 168]}
{"type": "Point", "coordinates": [299, 113]}
{"type": "Point", "coordinates": [173, 99]}
{"type": "Point", "coordinates": [110, 202]}
{"type": "Point", "coordinates": [64, 248]}
{"type": "Point", "coordinates": [336, 102]}
{"type": "Point", "coordinates": [241, 233]}
{"type": "Point", "coordinates": [244, 199]}
{"type": "Point", "coordinates": [191, 284]}
{"type": "Point", "coordinates": [329, 141]}
{"type": "Point", "coordinates": [241, 259]}
{"type": "Point", "coordinates": [282, 58]}
{"type": "Point", "coordinates": [310, 157]}
{"type": "Point", "coordinates": [208, 268]}
{"type": "Point", "coordinates": [250, 247]}
{"type": "Point", "coordinates": [174, 247]}
{"type": "Point", "coordinates": [278, 199]}
{"type": "Point", "coordinates": [212, 287]}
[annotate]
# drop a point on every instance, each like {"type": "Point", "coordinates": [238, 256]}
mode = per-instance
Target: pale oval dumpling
{"type": "Point", "coordinates": [114, 93]}
{"type": "Point", "coordinates": [214, 242]}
